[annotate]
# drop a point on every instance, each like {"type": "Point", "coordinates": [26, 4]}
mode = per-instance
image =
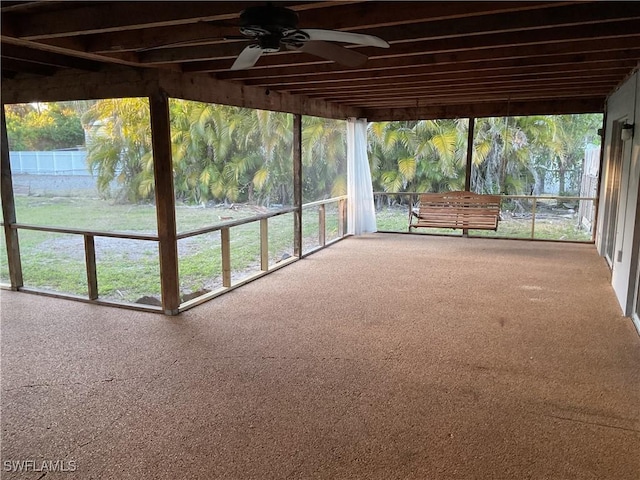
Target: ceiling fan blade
{"type": "Point", "coordinates": [331, 51]}
{"type": "Point", "coordinates": [214, 36]}
{"type": "Point", "coordinates": [345, 37]}
{"type": "Point", "coordinates": [192, 43]}
{"type": "Point", "coordinates": [247, 58]}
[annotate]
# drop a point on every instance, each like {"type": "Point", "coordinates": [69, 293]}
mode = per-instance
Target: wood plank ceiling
{"type": "Point", "coordinates": [445, 58]}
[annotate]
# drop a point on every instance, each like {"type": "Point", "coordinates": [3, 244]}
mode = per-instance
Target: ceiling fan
{"type": "Point", "coordinates": [272, 27]}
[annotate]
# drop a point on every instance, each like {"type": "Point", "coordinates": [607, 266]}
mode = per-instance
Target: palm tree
{"type": "Point", "coordinates": [119, 146]}
{"type": "Point", "coordinates": [392, 165]}
{"type": "Point", "coordinates": [324, 157]}
{"type": "Point", "coordinates": [232, 154]}
{"type": "Point", "coordinates": [271, 146]}
{"type": "Point", "coordinates": [512, 155]}
{"type": "Point", "coordinates": [217, 149]}
{"type": "Point", "coordinates": [207, 151]}
{"type": "Point", "coordinates": [503, 148]}
{"type": "Point", "coordinates": [440, 153]}
{"type": "Point", "coordinates": [571, 136]}
{"type": "Point", "coordinates": [426, 156]}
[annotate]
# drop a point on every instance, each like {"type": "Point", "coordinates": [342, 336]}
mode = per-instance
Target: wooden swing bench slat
{"type": "Point", "coordinates": [462, 210]}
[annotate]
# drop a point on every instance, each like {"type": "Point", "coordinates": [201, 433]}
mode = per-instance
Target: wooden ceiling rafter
{"type": "Point", "coordinates": [616, 30]}
{"type": "Point", "coordinates": [450, 63]}
{"type": "Point", "coordinates": [497, 80]}
{"type": "Point", "coordinates": [468, 91]}
{"type": "Point", "coordinates": [547, 56]}
{"type": "Point", "coordinates": [322, 81]}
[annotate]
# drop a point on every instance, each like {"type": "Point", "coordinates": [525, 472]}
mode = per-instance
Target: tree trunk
{"type": "Point", "coordinates": [250, 198]}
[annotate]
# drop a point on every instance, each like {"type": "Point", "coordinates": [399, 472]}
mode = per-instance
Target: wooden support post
{"type": "Point", "coordinates": [264, 244]}
{"type": "Point", "coordinates": [225, 244]}
{"type": "Point", "coordinates": [322, 222]}
{"type": "Point", "coordinates": [602, 132]}
{"type": "Point", "coordinates": [342, 217]}
{"type": "Point", "coordinates": [467, 171]}
{"type": "Point", "coordinates": [90, 262]}
{"type": "Point", "coordinates": [470, 135]}
{"type": "Point", "coordinates": [594, 216]}
{"type": "Point", "coordinates": [165, 202]}
{"type": "Point", "coordinates": [345, 219]}
{"type": "Point", "coordinates": [413, 199]}
{"type": "Point", "coordinates": [297, 185]}
{"type": "Point", "coordinates": [9, 211]}
{"type": "Point", "coordinates": [533, 218]}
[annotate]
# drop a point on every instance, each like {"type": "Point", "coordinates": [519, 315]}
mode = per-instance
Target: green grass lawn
{"type": "Point", "coordinates": [129, 269]}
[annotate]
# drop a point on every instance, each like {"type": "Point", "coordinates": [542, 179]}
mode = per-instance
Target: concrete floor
{"type": "Point", "coordinates": [381, 357]}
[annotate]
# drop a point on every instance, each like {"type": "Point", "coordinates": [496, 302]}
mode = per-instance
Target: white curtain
{"type": "Point", "coordinates": [360, 211]}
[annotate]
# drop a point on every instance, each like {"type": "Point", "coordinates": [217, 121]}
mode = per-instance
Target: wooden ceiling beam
{"type": "Point", "coordinates": [399, 90]}
{"type": "Point", "coordinates": [434, 58]}
{"type": "Point", "coordinates": [608, 31]}
{"type": "Point", "coordinates": [363, 16]}
{"type": "Point", "coordinates": [13, 6]}
{"type": "Point", "coordinates": [421, 73]}
{"type": "Point", "coordinates": [471, 107]}
{"type": "Point", "coordinates": [114, 16]}
{"type": "Point", "coordinates": [20, 66]}
{"type": "Point", "coordinates": [369, 15]}
{"type": "Point", "coordinates": [585, 51]}
{"type": "Point", "coordinates": [158, 37]}
{"type": "Point", "coordinates": [487, 109]}
{"type": "Point", "coordinates": [228, 50]}
{"type": "Point", "coordinates": [65, 85]}
{"type": "Point", "coordinates": [462, 95]}
{"type": "Point", "coordinates": [613, 32]}
{"type": "Point", "coordinates": [561, 15]}
{"type": "Point", "coordinates": [17, 52]}
{"type": "Point", "coordinates": [541, 55]}
{"type": "Point", "coordinates": [470, 101]}
{"type": "Point", "coordinates": [118, 16]}
{"type": "Point", "coordinates": [64, 50]}
{"type": "Point", "coordinates": [426, 96]}
{"type": "Point", "coordinates": [206, 89]}
{"type": "Point", "coordinates": [340, 17]}
{"type": "Point", "coordinates": [500, 97]}
{"type": "Point", "coordinates": [604, 31]}
{"type": "Point", "coordinates": [122, 82]}
{"type": "Point", "coordinates": [464, 79]}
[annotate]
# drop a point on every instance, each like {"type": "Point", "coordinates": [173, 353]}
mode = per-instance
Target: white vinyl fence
{"type": "Point", "coordinates": [58, 162]}
{"type": "Point", "coordinates": [58, 173]}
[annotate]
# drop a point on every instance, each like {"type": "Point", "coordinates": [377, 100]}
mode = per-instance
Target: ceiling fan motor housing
{"type": "Point", "coordinates": [270, 43]}
{"type": "Point", "coordinates": [268, 20]}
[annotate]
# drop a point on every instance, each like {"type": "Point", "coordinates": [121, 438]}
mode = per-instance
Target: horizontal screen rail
{"type": "Point", "coordinates": [92, 233]}
{"type": "Point", "coordinates": [324, 202]}
{"type": "Point", "coordinates": [531, 197]}
{"type": "Point", "coordinates": [545, 197]}
{"type": "Point", "coordinates": [234, 223]}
